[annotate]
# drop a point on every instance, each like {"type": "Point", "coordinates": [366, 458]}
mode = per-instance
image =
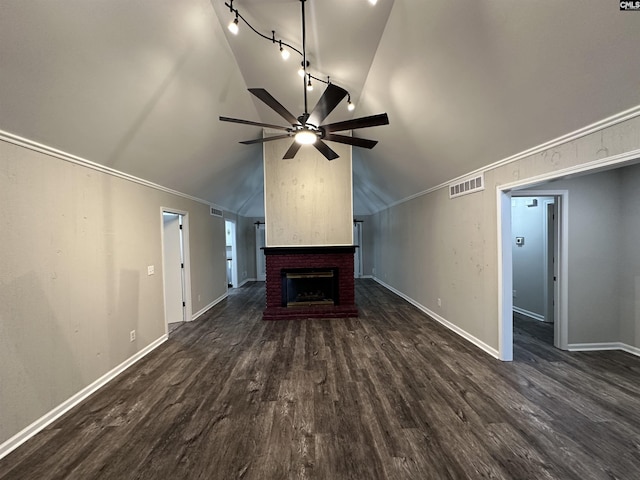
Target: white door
{"type": "Point", "coordinates": [173, 263]}
{"type": "Point", "coordinates": [261, 267]}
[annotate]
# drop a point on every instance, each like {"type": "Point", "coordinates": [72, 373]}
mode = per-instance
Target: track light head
{"type": "Point", "coordinates": [233, 26]}
{"type": "Point", "coordinates": [284, 52]}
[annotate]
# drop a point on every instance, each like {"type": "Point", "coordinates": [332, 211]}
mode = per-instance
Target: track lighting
{"type": "Point", "coordinates": [233, 26]}
{"type": "Point", "coordinates": [285, 48]}
{"type": "Point", "coordinates": [284, 52]}
{"type": "Point", "coordinates": [373, 2]}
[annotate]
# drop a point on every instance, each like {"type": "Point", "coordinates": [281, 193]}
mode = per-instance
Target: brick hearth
{"type": "Point", "coordinates": [280, 258]}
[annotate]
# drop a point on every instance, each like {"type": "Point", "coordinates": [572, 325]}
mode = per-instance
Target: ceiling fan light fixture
{"type": "Point", "coordinates": [306, 137]}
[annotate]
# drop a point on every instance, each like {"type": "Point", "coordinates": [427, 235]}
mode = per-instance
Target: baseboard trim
{"type": "Point", "coordinates": [47, 419]}
{"type": "Point", "coordinates": [454, 328]}
{"type": "Point", "coordinates": [527, 313]}
{"type": "Point", "coordinates": [212, 304]}
{"type": "Point", "coordinates": [594, 347]}
{"type": "Point", "coordinates": [247, 280]}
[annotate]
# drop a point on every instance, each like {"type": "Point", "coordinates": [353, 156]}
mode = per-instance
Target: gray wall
{"type": "Point", "coordinates": [74, 252]}
{"type": "Point", "coordinates": [432, 247]}
{"type": "Point", "coordinates": [247, 247]}
{"type": "Point", "coordinates": [368, 241]}
{"type": "Point", "coordinates": [594, 236]}
{"type": "Point", "coordinates": [629, 260]}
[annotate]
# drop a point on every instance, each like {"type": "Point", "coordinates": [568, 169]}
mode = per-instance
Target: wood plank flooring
{"type": "Point", "coordinates": [389, 395]}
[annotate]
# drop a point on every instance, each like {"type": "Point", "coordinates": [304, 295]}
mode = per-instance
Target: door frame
{"type": "Point", "coordinates": [505, 261]}
{"type": "Point", "coordinates": [234, 251]}
{"type": "Point", "coordinates": [187, 264]}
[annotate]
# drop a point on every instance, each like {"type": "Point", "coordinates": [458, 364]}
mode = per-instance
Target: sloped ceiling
{"type": "Point", "coordinates": [139, 85]}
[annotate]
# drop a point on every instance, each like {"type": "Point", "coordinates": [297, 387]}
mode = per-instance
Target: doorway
{"type": "Point", "coordinates": [174, 268]}
{"type": "Point", "coordinates": [261, 267]}
{"type": "Point", "coordinates": [357, 241]}
{"type": "Point", "coordinates": [232, 256]}
{"type": "Point", "coordinates": [506, 240]}
{"type": "Point", "coordinates": [534, 241]}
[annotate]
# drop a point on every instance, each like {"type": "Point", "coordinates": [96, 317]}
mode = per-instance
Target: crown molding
{"type": "Point", "coordinates": [569, 137]}
{"type": "Point", "coordinates": [68, 157]}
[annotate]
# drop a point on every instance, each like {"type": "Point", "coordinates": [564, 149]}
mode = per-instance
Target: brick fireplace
{"type": "Point", "coordinates": [321, 277]}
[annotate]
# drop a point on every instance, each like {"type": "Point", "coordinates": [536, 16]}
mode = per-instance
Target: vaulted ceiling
{"type": "Point", "coordinates": [139, 85]}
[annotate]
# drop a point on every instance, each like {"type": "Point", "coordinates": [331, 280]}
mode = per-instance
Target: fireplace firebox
{"type": "Point", "coordinates": [310, 286]}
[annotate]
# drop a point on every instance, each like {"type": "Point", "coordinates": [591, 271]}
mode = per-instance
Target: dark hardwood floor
{"type": "Point", "coordinates": [389, 395]}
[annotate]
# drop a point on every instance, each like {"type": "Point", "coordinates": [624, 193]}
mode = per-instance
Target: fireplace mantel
{"type": "Point", "coordinates": [312, 250]}
{"type": "Point", "coordinates": [338, 257]}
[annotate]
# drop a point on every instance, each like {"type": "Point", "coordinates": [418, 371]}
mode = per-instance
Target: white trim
{"type": "Point", "coordinates": [600, 164]}
{"type": "Point", "coordinates": [575, 135]}
{"type": "Point", "coordinates": [211, 305]}
{"type": "Point", "coordinates": [527, 313]}
{"type": "Point", "coordinates": [25, 434]}
{"type": "Point", "coordinates": [464, 334]}
{"type": "Point", "coordinates": [505, 277]}
{"type": "Point", "coordinates": [594, 347]}
{"type": "Point", "coordinates": [368, 276]}
{"type": "Point", "coordinates": [68, 157]}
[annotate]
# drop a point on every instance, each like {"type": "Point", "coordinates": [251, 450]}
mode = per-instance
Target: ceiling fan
{"type": "Point", "coordinates": [308, 129]}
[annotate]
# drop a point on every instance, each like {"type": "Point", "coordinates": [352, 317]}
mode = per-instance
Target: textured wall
{"type": "Point", "coordinates": [308, 200]}
{"type": "Point", "coordinates": [74, 252]}
{"type": "Point", "coordinates": [433, 247]}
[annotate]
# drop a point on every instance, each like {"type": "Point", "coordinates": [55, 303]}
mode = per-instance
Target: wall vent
{"type": "Point", "coordinates": [467, 185]}
{"type": "Point", "coordinates": [216, 212]}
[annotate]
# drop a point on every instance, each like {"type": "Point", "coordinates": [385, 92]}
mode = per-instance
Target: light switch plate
{"type": "Point", "coordinates": [150, 270]}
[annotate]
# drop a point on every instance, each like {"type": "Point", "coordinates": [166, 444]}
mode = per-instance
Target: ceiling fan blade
{"type": "Point", "coordinates": [324, 149]}
{"type": "Point", "coordinates": [266, 139]}
{"type": "Point", "coordinates": [266, 97]}
{"type": "Point", "coordinates": [293, 149]}
{"type": "Point", "coordinates": [356, 142]}
{"type": "Point", "coordinates": [329, 100]}
{"type": "Point", "coordinates": [256, 124]}
{"type": "Point", "coordinates": [362, 122]}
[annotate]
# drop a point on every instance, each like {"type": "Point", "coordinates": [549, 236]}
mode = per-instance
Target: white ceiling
{"type": "Point", "coordinates": [138, 86]}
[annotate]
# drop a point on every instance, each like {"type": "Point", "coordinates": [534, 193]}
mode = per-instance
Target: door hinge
{"type": "Point", "coordinates": [184, 304]}
{"type": "Point", "coordinates": [555, 278]}
{"type": "Point", "coordinates": [180, 227]}
{"type": "Point", "coordinates": [182, 265]}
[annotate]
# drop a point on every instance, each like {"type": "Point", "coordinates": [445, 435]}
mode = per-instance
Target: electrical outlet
{"type": "Point", "coordinates": [132, 335]}
{"type": "Point", "coordinates": [439, 302]}
{"type": "Point", "coordinates": [514, 294]}
{"type": "Point", "coordinates": [198, 297]}
{"type": "Point", "coordinates": [151, 270]}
